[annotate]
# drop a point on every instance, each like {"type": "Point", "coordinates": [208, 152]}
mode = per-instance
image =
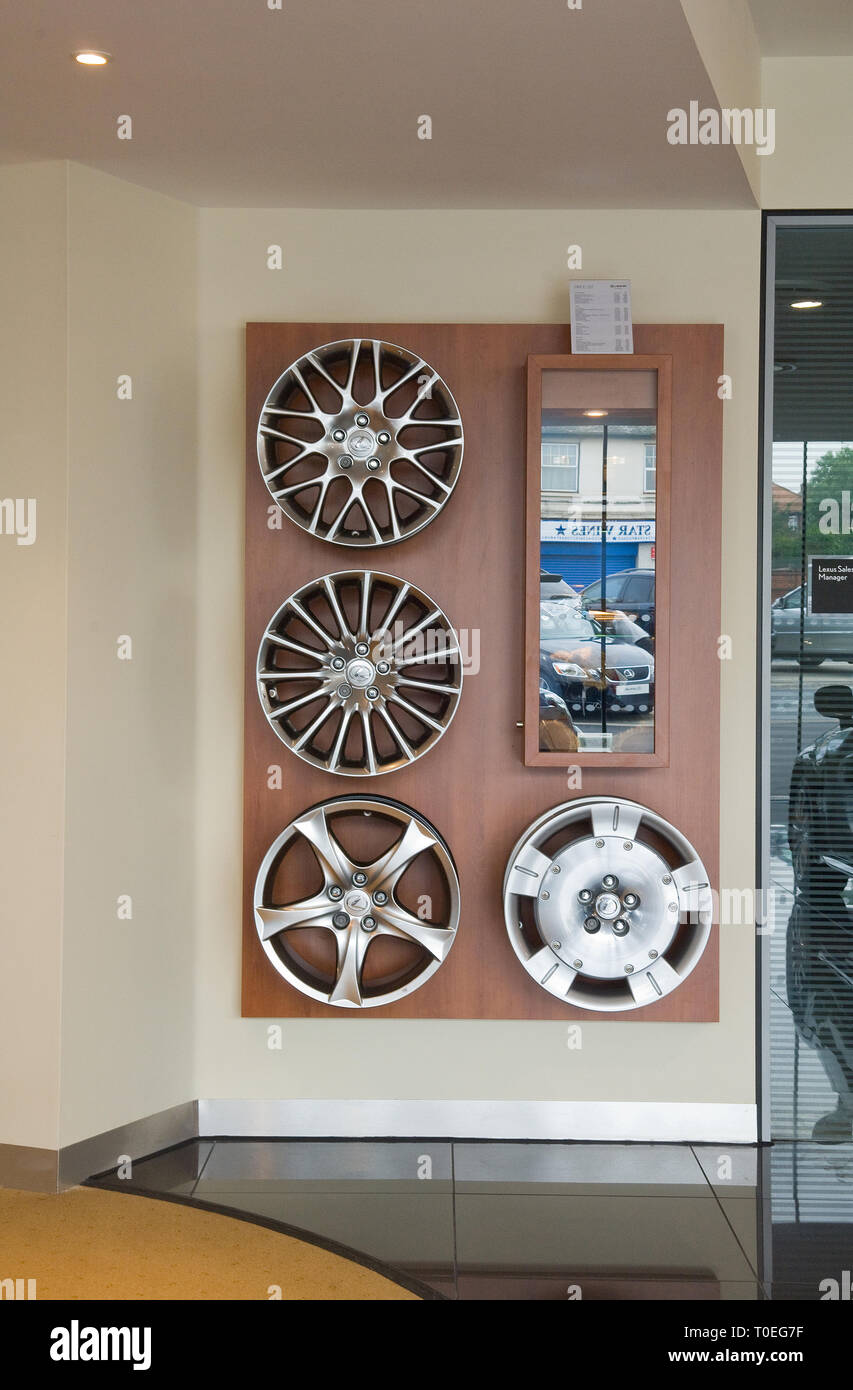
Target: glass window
{"type": "Point", "coordinates": [649, 474]}
{"type": "Point", "coordinates": [559, 466]}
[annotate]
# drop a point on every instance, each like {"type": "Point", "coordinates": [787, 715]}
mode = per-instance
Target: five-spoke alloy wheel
{"type": "Point", "coordinates": [357, 902]}
{"type": "Point", "coordinates": [607, 905]}
{"type": "Point", "coordinates": [360, 442]}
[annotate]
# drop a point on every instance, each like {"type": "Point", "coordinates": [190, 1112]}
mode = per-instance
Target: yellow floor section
{"type": "Point", "coordinates": [88, 1243]}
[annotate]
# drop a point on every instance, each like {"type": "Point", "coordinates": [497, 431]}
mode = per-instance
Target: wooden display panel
{"type": "Point", "coordinates": [471, 560]}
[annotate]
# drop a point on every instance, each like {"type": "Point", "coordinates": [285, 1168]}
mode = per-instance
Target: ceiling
{"type": "Point", "coordinates": [803, 28]}
{"type": "Point", "coordinates": [533, 104]}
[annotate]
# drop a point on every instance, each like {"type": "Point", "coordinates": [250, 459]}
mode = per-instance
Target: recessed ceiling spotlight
{"type": "Point", "coordinates": [595, 414]}
{"type": "Point", "coordinates": [806, 303]}
{"type": "Point", "coordinates": [91, 58]}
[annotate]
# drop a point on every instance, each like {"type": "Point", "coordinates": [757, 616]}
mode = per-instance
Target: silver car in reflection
{"type": "Point", "coordinates": [825, 636]}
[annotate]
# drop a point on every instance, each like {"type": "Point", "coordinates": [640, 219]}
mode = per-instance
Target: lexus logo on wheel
{"type": "Point", "coordinates": [628, 673]}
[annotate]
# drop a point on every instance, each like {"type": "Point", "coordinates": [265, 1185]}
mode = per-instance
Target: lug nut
{"type": "Point", "coordinates": [345, 461]}
{"type": "Point", "coordinates": [336, 892]}
{"type": "Point", "coordinates": [667, 879]}
{"type": "Point", "coordinates": [361, 649]}
{"type": "Point", "coordinates": [338, 436]}
{"type": "Point", "coordinates": [344, 691]}
{"type": "Point", "coordinates": [620, 927]}
{"type": "Point", "coordinates": [631, 900]}
{"type": "Point", "coordinates": [359, 879]}
{"type": "Point", "coordinates": [653, 955]}
{"type": "Point", "coordinates": [578, 964]}
{"type": "Point", "coordinates": [599, 844]}
{"type": "Point", "coordinates": [369, 923]}
{"type": "Point", "coordinates": [383, 667]}
{"type": "Point", "coordinates": [585, 896]}
{"type": "Point", "coordinates": [338, 663]}
{"type": "Point", "coordinates": [372, 693]}
{"type": "Point", "coordinates": [273, 692]}
{"type": "Point", "coordinates": [591, 925]}
{"type": "Point", "coordinates": [380, 898]}
{"type": "Point", "coordinates": [384, 437]}
{"type": "Point", "coordinates": [373, 464]}
{"type": "Point", "coordinates": [629, 969]}
{"type": "Point", "coordinates": [555, 868]}
{"type": "Point", "coordinates": [627, 845]}
{"type": "Point", "coordinates": [610, 881]}
{"type": "Point", "coordinates": [362, 420]}
{"type": "Point", "coordinates": [341, 919]}
{"type": "Point", "coordinates": [556, 945]}
{"type": "Point", "coordinates": [545, 896]}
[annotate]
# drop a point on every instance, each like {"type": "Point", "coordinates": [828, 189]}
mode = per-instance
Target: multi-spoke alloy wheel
{"type": "Point", "coordinates": [359, 673]}
{"type": "Point", "coordinates": [607, 905]}
{"type": "Point", "coordinates": [357, 902]}
{"type": "Point", "coordinates": [360, 442]}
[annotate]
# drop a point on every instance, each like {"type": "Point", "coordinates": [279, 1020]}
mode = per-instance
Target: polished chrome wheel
{"type": "Point", "coordinates": [360, 442]}
{"type": "Point", "coordinates": [607, 905]}
{"type": "Point", "coordinates": [357, 902]}
{"type": "Point", "coordinates": [359, 673]}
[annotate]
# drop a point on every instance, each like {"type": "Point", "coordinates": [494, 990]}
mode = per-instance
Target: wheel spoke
{"type": "Point", "coordinates": [305, 617]}
{"type": "Point", "coordinates": [611, 818]}
{"type": "Point", "coordinates": [388, 870]}
{"type": "Point", "coordinates": [307, 734]}
{"type": "Point", "coordinates": [429, 685]}
{"type": "Point", "coordinates": [331, 857]}
{"type": "Point", "coordinates": [413, 710]}
{"type": "Point", "coordinates": [352, 948]}
{"type": "Point", "coordinates": [528, 872]}
{"type": "Point", "coordinates": [311, 912]}
{"type": "Point", "coordinates": [367, 736]}
{"type": "Point", "coordinates": [396, 921]}
{"type": "Point", "coordinates": [332, 596]}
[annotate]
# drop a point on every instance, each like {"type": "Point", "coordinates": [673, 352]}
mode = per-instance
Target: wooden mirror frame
{"type": "Point", "coordinates": [534, 756]}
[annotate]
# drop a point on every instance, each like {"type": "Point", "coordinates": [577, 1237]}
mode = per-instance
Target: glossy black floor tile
{"type": "Point", "coordinates": [534, 1221]}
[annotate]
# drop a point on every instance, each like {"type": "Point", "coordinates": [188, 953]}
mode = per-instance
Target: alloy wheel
{"type": "Point", "coordinates": [359, 673]}
{"type": "Point", "coordinates": [360, 442]}
{"type": "Point", "coordinates": [376, 906]}
{"type": "Point", "coordinates": [607, 905]}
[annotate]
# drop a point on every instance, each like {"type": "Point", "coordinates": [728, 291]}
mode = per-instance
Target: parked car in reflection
{"type": "Point", "coordinates": [820, 800]}
{"type": "Point", "coordinates": [819, 979]}
{"type": "Point", "coordinates": [554, 586]}
{"type": "Point", "coordinates": [809, 638]}
{"type": "Point", "coordinates": [631, 591]}
{"type": "Point", "coordinates": [585, 664]}
{"type": "Point", "coordinates": [557, 731]}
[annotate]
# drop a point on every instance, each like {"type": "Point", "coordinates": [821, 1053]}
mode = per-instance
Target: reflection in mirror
{"type": "Point", "coordinates": [597, 560]}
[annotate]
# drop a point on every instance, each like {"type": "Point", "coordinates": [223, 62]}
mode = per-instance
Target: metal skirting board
{"type": "Point", "coordinates": [138, 1138]}
{"type": "Point", "coordinates": [664, 1122]}
{"type": "Point", "coordinates": [614, 1121]}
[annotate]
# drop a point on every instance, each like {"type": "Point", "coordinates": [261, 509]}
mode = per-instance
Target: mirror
{"type": "Point", "coordinates": [593, 444]}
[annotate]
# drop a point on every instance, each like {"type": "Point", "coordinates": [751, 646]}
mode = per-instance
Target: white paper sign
{"type": "Point", "coordinates": [601, 316]}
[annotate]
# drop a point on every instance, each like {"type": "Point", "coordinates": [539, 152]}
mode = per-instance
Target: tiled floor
{"type": "Point", "coordinates": [543, 1221]}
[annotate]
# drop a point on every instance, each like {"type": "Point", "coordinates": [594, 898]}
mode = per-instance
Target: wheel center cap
{"type": "Point", "coordinates": [360, 673]}
{"type": "Point", "coordinates": [357, 901]}
{"type": "Point", "coordinates": [608, 906]}
{"type": "Point", "coordinates": [361, 444]}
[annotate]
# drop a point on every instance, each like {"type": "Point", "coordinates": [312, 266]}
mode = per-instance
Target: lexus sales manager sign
{"type": "Point", "coordinates": [831, 584]}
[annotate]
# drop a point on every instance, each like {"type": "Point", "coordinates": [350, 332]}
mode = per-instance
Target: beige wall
{"type": "Point", "coordinates": [811, 167]}
{"type": "Point", "coordinates": [460, 266]}
{"type": "Point", "coordinates": [33, 401]}
{"type": "Point", "coordinates": [127, 997]}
